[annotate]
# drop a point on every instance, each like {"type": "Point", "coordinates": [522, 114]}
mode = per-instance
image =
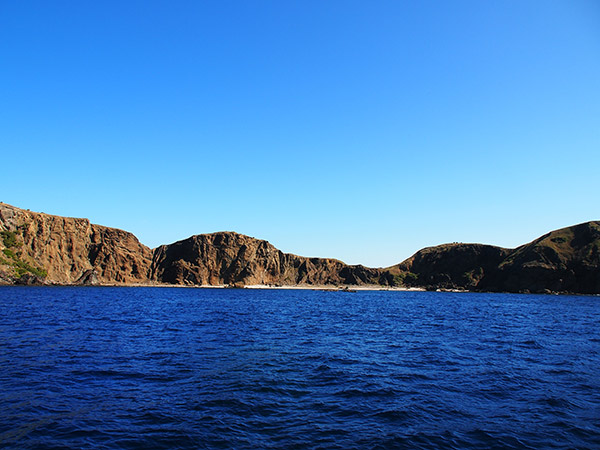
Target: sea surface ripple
{"type": "Point", "coordinates": [175, 368]}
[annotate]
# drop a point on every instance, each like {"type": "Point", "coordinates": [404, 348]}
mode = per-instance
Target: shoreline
{"type": "Point", "coordinates": [308, 287]}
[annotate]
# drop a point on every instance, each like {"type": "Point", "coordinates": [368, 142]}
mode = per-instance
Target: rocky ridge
{"type": "Point", "coordinates": [564, 261]}
{"type": "Point", "coordinates": [38, 248]}
{"type": "Point", "coordinates": [452, 266]}
{"type": "Point", "coordinates": [230, 258]}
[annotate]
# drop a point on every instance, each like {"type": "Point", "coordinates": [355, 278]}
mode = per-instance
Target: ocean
{"type": "Point", "coordinates": [185, 368]}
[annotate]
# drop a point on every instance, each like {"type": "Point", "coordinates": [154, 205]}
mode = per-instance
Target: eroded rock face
{"type": "Point", "coordinates": [67, 248]}
{"type": "Point", "coordinates": [229, 258]}
{"type": "Point", "coordinates": [63, 250]}
{"type": "Point", "coordinates": [41, 248]}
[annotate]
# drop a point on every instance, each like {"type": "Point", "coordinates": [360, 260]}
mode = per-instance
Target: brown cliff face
{"type": "Point", "coordinates": [66, 250]}
{"type": "Point", "coordinates": [230, 258]}
{"type": "Point", "coordinates": [40, 248]}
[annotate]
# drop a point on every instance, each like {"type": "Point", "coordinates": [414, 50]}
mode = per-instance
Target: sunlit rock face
{"type": "Point", "coordinates": [38, 248]}
{"type": "Point", "coordinates": [66, 250]}
{"type": "Point", "coordinates": [229, 258]}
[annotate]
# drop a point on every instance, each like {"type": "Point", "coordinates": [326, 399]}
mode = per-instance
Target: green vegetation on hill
{"type": "Point", "coordinates": [564, 260]}
{"type": "Point", "coordinates": [404, 279]}
{"type": "Point", "coordinates": [9, 238]}
{"type": "Point", "coordinates": [21, 267]}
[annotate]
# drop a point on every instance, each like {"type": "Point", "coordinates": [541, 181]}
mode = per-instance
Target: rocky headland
{"type": "Point", "coordinates": [562, 261]}
{"type": "Point", "coordinates": [230, 258]}
{"type": "Point", "coordinates": [38, 248]}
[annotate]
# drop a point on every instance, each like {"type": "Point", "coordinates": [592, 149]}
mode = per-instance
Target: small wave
{"type": "Point", "coordinates": [556, 402]}
{"type": "Point", "coordinates": [412, 376]}
{"type": "Point", "coordinates": [124, 375]}
{"type": "Point", "coordinates": [424, 441]}
{"type": "Point", "coordinates": [394, 415]}
{"type": "Point", "coordinates": [576, 430]}
{"type": "Point", "coordinates": [351, 393]}
{"type": "Point", "coordinates": [100, 373]}
{"type": "Point", "coordinates": [155, 418]}
{"type": "Point", "coordinates": [531, 343]}
{"type": "Point", "coordinates": [493, 440]}
{"type": "Point", "coordinates": [287, 392]}
{"type": "Point", "coordinates": [230, 403]}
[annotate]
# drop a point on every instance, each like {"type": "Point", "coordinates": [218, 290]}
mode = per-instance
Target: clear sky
{"type": "Point", "coordinates": [359, 130]}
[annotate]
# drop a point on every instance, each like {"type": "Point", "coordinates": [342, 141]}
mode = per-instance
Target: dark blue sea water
{"type": "Point", "coordinates": [162, 368]}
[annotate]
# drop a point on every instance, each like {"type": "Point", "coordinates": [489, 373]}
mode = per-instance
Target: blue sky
{"type": "Point", "coordinates": [362, 131]}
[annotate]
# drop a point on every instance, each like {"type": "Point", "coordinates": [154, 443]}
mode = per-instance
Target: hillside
{"type": "Point", "coordinates": [565, 260]}
{"type": "Point", "coordinates": [38, 248]}
{"type": "Point", "coordinates": [453, 266]}
{"type": "Point", "coordinates": [229, 258]}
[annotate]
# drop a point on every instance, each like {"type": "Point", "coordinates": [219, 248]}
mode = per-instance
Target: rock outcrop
{"type": "Point", "coordinates": [565, 260]}
{"type": "Point", "coordinates": [41, 248]}
{"type": "Point", "coordinates": [228, 258]}
{"type": "Point", "coordinates": [38, 248]}
{"type": "Point", "coordinates": [454, 266]}
{"type": "Point", "coordinates": [62, 250]}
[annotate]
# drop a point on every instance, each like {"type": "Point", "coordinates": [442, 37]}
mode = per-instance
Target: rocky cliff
{"type": "Point", "coordinates": [230, 258]}
{"type": "Point", "coordinates": [565, 260]}
{"type": "Point", "coordinates": [64, 250]}
{"type": "Point", "coordinates": [41, 248]}
{"type": "Point", "coordinates": [453, 266]}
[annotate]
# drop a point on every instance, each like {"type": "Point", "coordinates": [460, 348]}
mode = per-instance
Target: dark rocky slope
{"type": "Point", "coordinates": [565, 260]}
{"type": "Point", "coordinates": [453, 266]}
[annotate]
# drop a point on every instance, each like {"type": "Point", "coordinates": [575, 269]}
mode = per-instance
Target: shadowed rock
{"type": "Point", "coordinates": [454, 266]}
{"type": "Point", "coordinates": [565, 260]}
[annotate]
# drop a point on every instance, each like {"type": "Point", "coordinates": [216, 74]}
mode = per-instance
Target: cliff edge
{"type": "Point", "coordinates": [38, 248]}
{"type": "Point", "coordinates": [42, 248]}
